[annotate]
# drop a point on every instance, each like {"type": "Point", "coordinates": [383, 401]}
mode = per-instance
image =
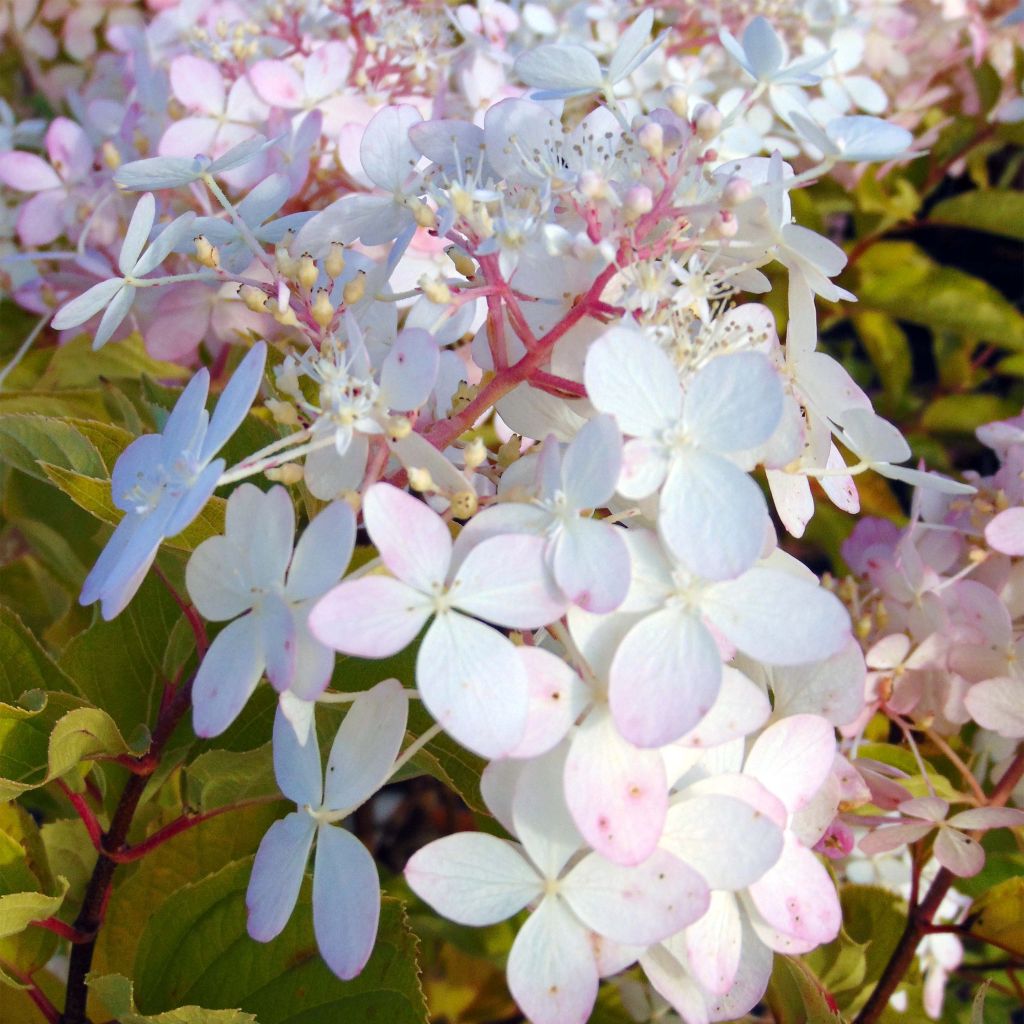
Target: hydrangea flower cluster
{"type": "Point", "coordinates": [499, 258]}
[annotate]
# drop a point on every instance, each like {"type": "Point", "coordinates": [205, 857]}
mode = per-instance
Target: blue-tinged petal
{"type": "Point", "coordinates": [346, 901]}
{"type": "Point", "coordinates": [157, 172]}
{"type": "Point", "coordinates": [278, 635]}
{"type": "Point", "coordinates": [277, 875]}
{"type": "Point", "coordinates": [163, 245]}
{"type": "Point", "coordinates": [323, 552]}
{"type": "Point", "coordinates": [191, 503]}
{"type": "Point", "coordinates": [115, 312]}
{"type": "Point", "coordinates": [227, 676]}
{"type": "Point", "coordinates": [235, 400]}
{"type": "Point", "coordinates": [264, 200]}
{"type": "Point", "coordinates": [137, 234]}
{"type": "Point", "coordinates": [297, 762]}
{"type": "Point", "coordinates": [182, 426]}
{"type": "Point", "coordinates": [87, 305]}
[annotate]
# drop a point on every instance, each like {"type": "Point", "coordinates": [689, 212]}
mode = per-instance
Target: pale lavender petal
{"type": "Point", "coordinates": [235, 400]}
{"type": "Point", "coordinates": [227, 676]}
{"type": "Point", "coordinates": [959, 853]}
{"type": "Point", "coordinates": [297, 762]}
{"type": "Point", "coordinates": [277, 874]}
{"type": "Point", "coordinates": [87, 305]}
{"type": "Point", "coordinates": [323, 552]}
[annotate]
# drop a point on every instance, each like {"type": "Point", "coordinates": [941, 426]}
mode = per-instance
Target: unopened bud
{"type": "Point", "coordinates": [639, 200]}
{"type": "Point", "coordinates": [475, 453]}
{"type": "Point", "coordinates": [677, 100]}
{"type": "Point", "coordinates": [464, 504]}
{"type": "Point", "coordinates": [463, 262]}
{"type": "Point", "coordinates": [254, 299]}
{"type": "Point", "coordinates": [652, 140]}
{"type": "Point", "coordinates": [323, 311]}
{"type": "Point", "coordinates": [737, 190]}
{"type": "Point", "coordinates": [289, 473]}
{"type": "Point", "coordinates": [399, 427]}
{"type": "Point", "coordinates": [286, 317]}
{"type": "Point", "coordinates": [424, 215]}
{"type": "Point", "coordinates": [509, 451]}
{"type": "Point", "coordinates": [206, 254]}
{"type": "Point", "coordinates": [355, 289]}
{"type": "Point", "coordinates": [593, 185]}
{"type": "Point", "coordinates": [421, 480]}
{"type": "Point", "coordinates": [283, 412]}
{"type": "Point", "coordinates": [111, 157]}
{"type": "Point", "coordinates": [283, 258]}
{"type": "Point", "coordinates": [435, 290]}
{"type": "Point", "coordinates": [723, 224]}
{"type": "Point", "coordinates": [308, 272]}
{"type": "Point", "coordinates": [707, 121]}
{"type": "Point", "coordinates": [335, 262]}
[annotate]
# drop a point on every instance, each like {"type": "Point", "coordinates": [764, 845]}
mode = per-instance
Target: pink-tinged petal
{"type": "Point", "coordinates": [69, 149]}
{"type": "Point", "coordinates": [413, 540]}
{"type": "Point", "coordinates": [590, 563]}
{"type": "Point", "coordinates": [714, 944]}
{"type": "Point", "coordinates": [540, 816]}
{"type": "Point", "coordinates": [617, 793]}
{"type": "Point", "coordinates": [1005, 532]}
{"type": "Point", "coordinates": [732, 783]}
{"type": "Point", "coordinates": [473, 878]}
{"type": "Point", "coordinates": [373, 617]}
{"type": "Point", "coordinates": [366, 746]}
{"type": "Point", "coordinates": [959, 853]}
{"type": "Point", "coordinates": [346, 901]}
{"type": "Point", "coordinates": [892, 837]}
{"type": "Point", "coordinates": [712, 515]}
{"type": "Point", "coordinates": [793, 500]}
{"type": "Point", "coordinates": [198, 84]}
{"type": "Point", "coordinates": [409, 370]}
{"type": "Point", "coordinates": [504, 580]}
{"type": "Point", "coordinates": [27, 172]}
{"type": "Point", "coordinates": [297, 762]}
{"type": "Point", "coordinates": [833, 688]}
{"type": "Point", "coordinates": [674, 983]}
{"type": "Point", "coordinates": [591, 465]}
{"type": "Point", "coordinates": [628, 376]}
{"type": "Point", "coordinates": [636, 905]}
{"type": "Point", "coordinates": [552, 973]}
{"type": "Point", "coordinates": [323, 552]}
{"type": "Point", "coordinates": [998, 704]}
{"type": "Point", "coordinates": [473, 684]}
{"type": "Point", "coordinates": [188, 137]}
{"type": "Point", "coordinates": [277, 84]}
{"type": "Point", "coordinates": [733, 403]}
{"type": "Point", "coordinates": [42, 217]}
{"type": "Point", "coordinates": [740, 708]}
{"type": "Point", "coordinates": [841, 489]}
{"type": "Point", "coordinates": [726, 840]}
{"type": "Point", "coordinates": [777, 617]}
{"type": "Point", "coordinates": [928, 808]}
{"type": "Point", "coordinates": [644, 465]}
{"type": "Point", "coordinates": [557, 696]}
{"type": "Point", "coordinates": [277, 875]}
{"type": "Point", "coordinates": [227, 676]}
{"type": "Point", "coordinates": [387, 155]}
{"type": "Point", "coordinates": [988, 817]}
{"type": "Point", "coordinates": [664, 678]}
{"type": "Point", "coordinates": [278, 635]}
{"type": "Point", "coordinates": [797, 897]}
{"type": "Point", "coordinates": [792, 758]}
{"type": "Point", "coordinates": [326, 69]}
{"type": "Point", "coordinates": [751, 981]}
{"type": "Point", "coordinates": [180, 321]}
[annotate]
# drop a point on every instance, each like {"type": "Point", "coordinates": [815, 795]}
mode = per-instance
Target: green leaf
{"type": "Point", "coordinates": [24, 665]}
{"type": "Point", "coordinates": [898, 278]}
{"type": "Point", "coordinates": [77, 365]}
{"type": "Point", "coordinates": [116, 994]}
{"type": "Point", "coordinates": [1000, 211]}
{"type": "Point", "coordinates": [108, 439]}
{"type": "Point", "coordinates": [796, 996]}
{"type": "Point", "coordinates": [887, 345]}
{"type": "Point", "coordinates": [83, 403]}
{"type": "Point", "coordinates": [195, 949]}
{"type": "Point", "coordinates": [998, 916]}
{"type": "Point", "coordinates": [19, 909]}
{"type": "Point", "coordinates": [69, 852]}
{"type": "Point", "coordinates": [94, 496]}
{"type": "Point", "coordinates": [964, 413]}
{"type": "Point", "coordinates": [118, 665]}
{"type": "Point", "coordinates": [221, 777]}
{"type": "Point", "coordinates": [28, 441]}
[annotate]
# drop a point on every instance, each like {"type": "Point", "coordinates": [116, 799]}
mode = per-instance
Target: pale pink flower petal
{"type": "Point", "coordinates": [412, 539]}
{"type": "Point", "coordinates": [1005, 532]}
{"type": "Point", "coordinates": [373, 617]}
{"type": "Point", "coordinates": [591, 564]}
{"type": "Point", "coordinates": [387, 155]}
{"type": "Point", "coordinates": [277, 83]}
{"type": "Point", "coordinates": [714, 944]}
{"type": "Point", "coordinates": [27, 172]}
{"type": "Point", "coordinates": [557, 696]}
{"type": "Point", "coordinates": [988, 817]}
{"type": "Point", "coordinates": [617, 793]}
{"type": "Point", "coordinates": [958, 853]}
{"type": "Point", "coordinates": [552, 974]}
{"type": "Point", "coordinates": [892, 837]}
{"type": "Point", "coordinates": [198, 84]}
{"type": "Point", "coordinates": [792, 758]}
{"type": "Point", "coordinates": [740, 708]}
{"type": "Point", "coordinates": [636, 905]}
{"type": "Point", "coordinates": [474, 684]}
{"type": "Point", "coordinates": [473, 878]}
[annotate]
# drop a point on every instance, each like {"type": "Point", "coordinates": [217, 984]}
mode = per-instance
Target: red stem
{"type": "Point", "coordinates": [33, 991]}
{"type": "Point", "coordinates": [65, 931]}
{"type": "Point", "coordinates": [85, 812]}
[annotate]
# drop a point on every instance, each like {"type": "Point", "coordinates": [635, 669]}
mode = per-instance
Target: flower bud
{"type": "Point", "coordinates": [323, 311]}
{"type": "Point", "coordinates": [723, 225]}
{"type": "Point", "coordinates": [286, 317]}
{"type": "Point", "coordinates": [707, 121]}
{"type": "Point", "coordinates": [308, 271]}
{"type": "Point", "coordinates": [355, 289]}
{"type": "Point", "coordinates": [593, 185]}
{"type": "Point", "coordinates": [677, 100]}
{"type": "Point", "coordinates": [475, 453]}
{"type": "Point", "coordinates": [463, 262]}
{"type": "Point", "coordinates": [283, 258]}
{"type": "Point", "coordinates": [335, 262]}
{"type": "Point", "coordinates": [111, 157]}
{"type": "Point", "coordinates": [509, 451]}
{"type": "Point", "coordinates": [206, 254]}
{"type": "Point", "coordinates": [253, 298]}
{"type": "Point", "coordinates": [289, 473]}
{"type": "Point", "coordinates": [424, 215]}
{"type": "Point", "coordinates": [639, 200]}
{"type": "Point", "coordinates": [435, 290]}
{"type": "Point", "coordinates": [283, 412]}
{"type": "Point", "coordinates": [399, 427]}
{"type": "Point", "coordinates": [652, 140]}
{"type": "Point", "coordinates": [421, 480]}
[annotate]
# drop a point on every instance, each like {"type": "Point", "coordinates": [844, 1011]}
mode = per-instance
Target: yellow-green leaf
{"type": "Point", "coordinates": [117, 995]}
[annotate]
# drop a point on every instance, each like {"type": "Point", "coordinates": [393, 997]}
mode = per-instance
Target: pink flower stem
{"type": "Point", "coordinates": [33, 991]}
{"type": "Point", "coordinates": [65, 931]}
{"type": "Point", "coordinates": [85, 812]}
{"type": "Point", "coordinates": [921, 915]}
